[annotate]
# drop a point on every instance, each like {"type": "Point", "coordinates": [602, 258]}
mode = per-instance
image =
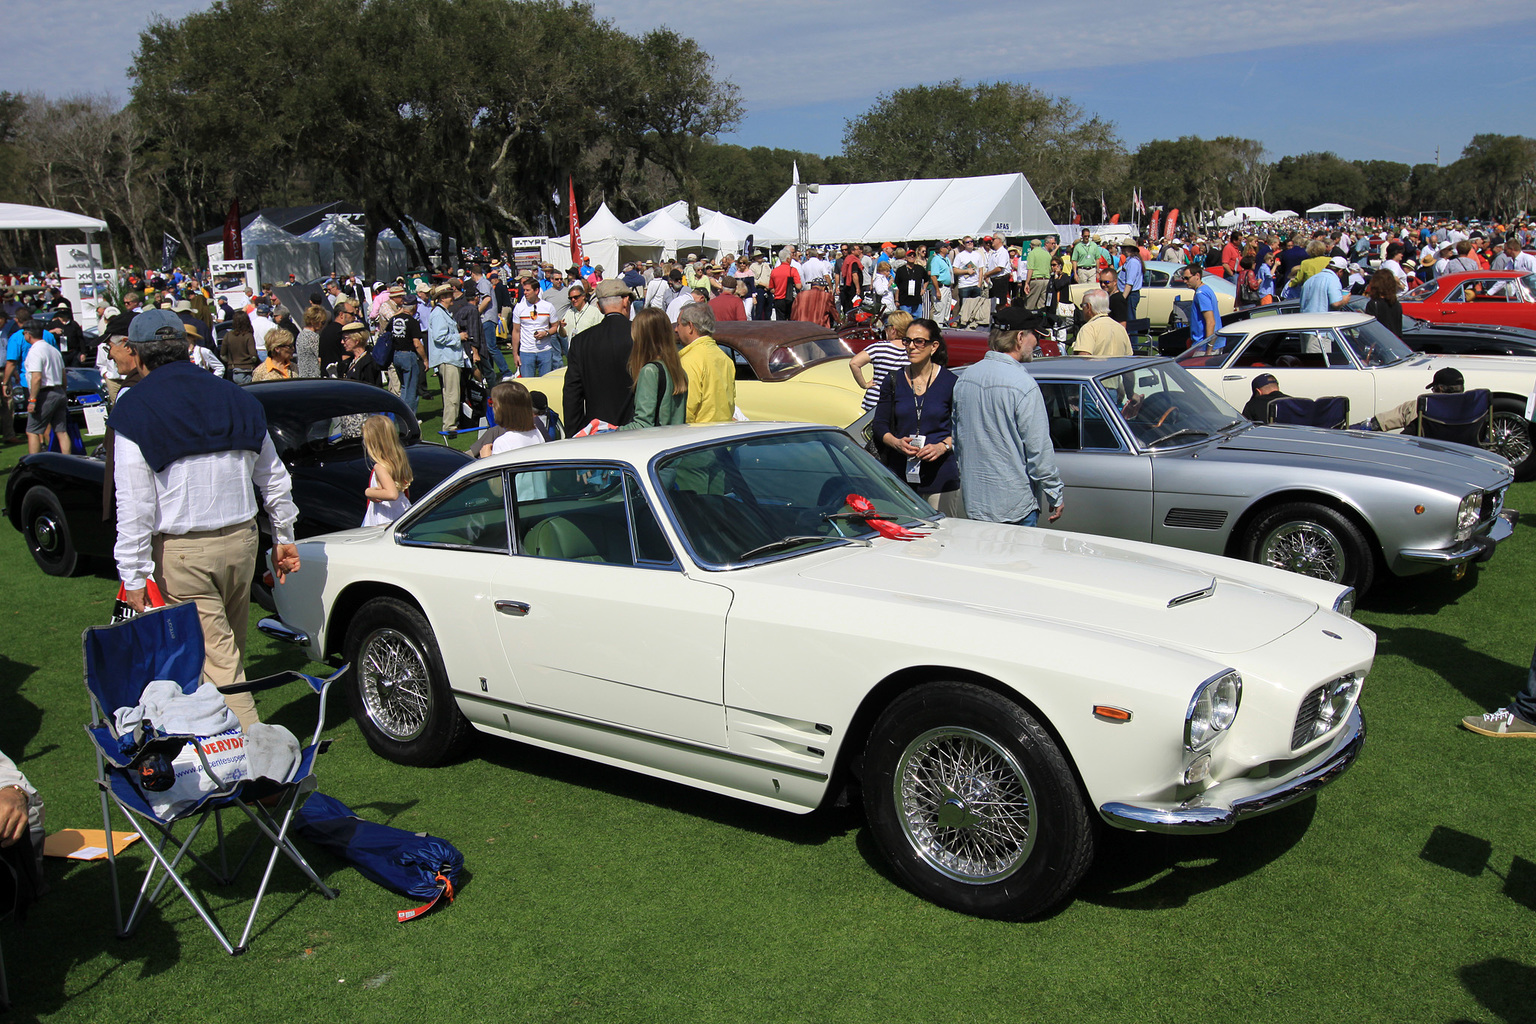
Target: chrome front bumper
{"type": "Point", "coordinates": [1223, 805]}
{"type": "Point", "coordinates": [277, 629]}
{"type": "Point", "coordinates": [1475, 549]}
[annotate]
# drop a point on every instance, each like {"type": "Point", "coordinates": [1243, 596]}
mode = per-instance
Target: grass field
{"type": "Point", "coordinates": [1406, 892]}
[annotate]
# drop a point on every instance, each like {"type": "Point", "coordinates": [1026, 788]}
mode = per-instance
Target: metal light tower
{"type": "Point", "coordinates": [802, 209]}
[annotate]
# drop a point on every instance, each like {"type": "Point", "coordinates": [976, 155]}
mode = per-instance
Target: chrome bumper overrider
{"type": "Point", "coordinates": [1476, 549]}
{"type": "Point", "coordinates": [277, 629]}
{"type": "Point", "coordinates": [1223, 805]}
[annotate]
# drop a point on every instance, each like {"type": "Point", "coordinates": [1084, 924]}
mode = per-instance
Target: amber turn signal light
{"type": "Point", "coordinates": [1111, 714]}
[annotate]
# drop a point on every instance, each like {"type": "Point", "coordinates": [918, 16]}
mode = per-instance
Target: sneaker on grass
{"type": "Point", "coordinates": [1502, 722]}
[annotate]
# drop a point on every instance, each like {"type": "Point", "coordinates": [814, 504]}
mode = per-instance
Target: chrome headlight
{"type": "Point", "coordinates": [1337, 698]}
{"type": "Point", "coordinates": [1467, 516]}
{"type": "Point", "coordinates": [1345, 604]}
{"type": "Point", "coordinates": [1212, 710]}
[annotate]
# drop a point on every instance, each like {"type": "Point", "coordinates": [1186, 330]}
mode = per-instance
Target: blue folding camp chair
{"type": "Point", "coordinates": [1331, 412]}
{"type": "Point", "coordinates": [120, 661]}
{"type": "Point", "coordinates": [1464, 417]}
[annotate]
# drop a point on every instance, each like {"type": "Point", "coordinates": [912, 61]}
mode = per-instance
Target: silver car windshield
{"type": "Point", "coordinates": [780, 494]}
{"type": "Point", "coordinates": [1163, 405]}
{"type": "Point", "coordinates": [1374, 344]}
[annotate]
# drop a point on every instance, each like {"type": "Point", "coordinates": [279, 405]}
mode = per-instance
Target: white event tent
{"type": "Point", "coordinates": [1244, 215]}
{"type": "Point", "coordinates": [1286, 215]}
{"type": "Point", "coordinates": [918, 208]}
{"type": "Point", "coordinates": [279, 253]}
{"type": "Point", "coordinates": [343, 244]}
{"type": "Point", "coordinates": [717, 232]}
{"type": "Point", "coordinates": [17, 217]}
{"type": "Point", "coordinates": [606, 242]}
{"type": "Point", "coordinates": [1329, 211]}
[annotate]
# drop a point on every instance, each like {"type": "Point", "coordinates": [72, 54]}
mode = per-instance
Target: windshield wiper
{"type": "Point", "coordinates": [1177, 433]}
{"type": "Point", "coordinates": [789, 542]}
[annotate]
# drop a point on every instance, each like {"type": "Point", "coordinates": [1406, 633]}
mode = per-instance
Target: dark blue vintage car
{"type": "Point", "coordinates": [56, 500]}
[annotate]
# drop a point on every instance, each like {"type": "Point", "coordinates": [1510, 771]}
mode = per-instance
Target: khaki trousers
{"type": "Point", "coordinates": [451, 377]}
{"type": "Point", "coordinates": [1034, 295]}
{"type": "Point", "coordinates": [1085, 275]}
{"type": "Point", "coordinates": [213, 569]}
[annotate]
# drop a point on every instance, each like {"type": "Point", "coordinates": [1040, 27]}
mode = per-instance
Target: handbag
{"type": "Point", "coordinates": [122, 611]}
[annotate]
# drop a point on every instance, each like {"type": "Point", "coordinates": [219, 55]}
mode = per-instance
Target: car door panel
{"type": "Point", "coordinates": [1108, 487]}
{"type": "Point", "coordinates": [589, 631]}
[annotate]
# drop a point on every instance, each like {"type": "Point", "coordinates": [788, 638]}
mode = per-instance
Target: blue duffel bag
{"type": "Point", "coordinates": [413, 864]}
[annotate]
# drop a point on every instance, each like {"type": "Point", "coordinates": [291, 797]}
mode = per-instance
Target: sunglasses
{"type": "Point", "coordinates": [916, 342]}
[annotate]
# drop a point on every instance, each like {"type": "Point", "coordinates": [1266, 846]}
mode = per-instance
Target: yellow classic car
{"type": "Point", "coordinates": [1160, 289]}
{"type": "Point", "coordinates": [785, 370]}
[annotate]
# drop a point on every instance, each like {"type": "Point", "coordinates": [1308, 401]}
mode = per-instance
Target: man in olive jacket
{"type": "Point", "coordinates": [597, 384]}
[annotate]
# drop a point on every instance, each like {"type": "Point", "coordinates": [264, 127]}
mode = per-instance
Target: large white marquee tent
{"type": "Point", "coordinates": [918, 208]}
{"type": "Point", "coordinates": [1244, 215]}
{"type": "Point", "coordinates": [18, 217]}
{"type": "Point", "coordinates": [606, 242]}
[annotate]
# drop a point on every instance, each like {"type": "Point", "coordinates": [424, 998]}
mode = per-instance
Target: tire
{"type": "Point", "coordinates": [1011, 837]}
{"type": "Point", "coordinates": [397, 686]}
{"type": "Point", "coordinates": [1509, 435]}
{"type": "Point", "coordinates": [1312, 540]}
{"type": "Point", "coordinates": [47, 533]}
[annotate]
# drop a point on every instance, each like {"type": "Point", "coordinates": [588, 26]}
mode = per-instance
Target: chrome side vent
{"type": "Point", "coordinates": [1195, 518]}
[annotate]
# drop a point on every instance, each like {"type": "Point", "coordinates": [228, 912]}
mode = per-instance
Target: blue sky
{"type": "Point", "coordinates": [1388, 79]}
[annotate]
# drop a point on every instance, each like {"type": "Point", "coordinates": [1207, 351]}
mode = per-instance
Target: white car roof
{"type": "Point", "coordinates": [1296, 322]}
{"type": "Point", "coordinates": [638, 446]}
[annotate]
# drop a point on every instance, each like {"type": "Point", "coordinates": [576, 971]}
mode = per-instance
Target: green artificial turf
{"type": "Point", "coordinates": [1406, 892]}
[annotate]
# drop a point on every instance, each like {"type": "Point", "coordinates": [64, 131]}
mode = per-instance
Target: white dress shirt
{"type": "Point", "coordinates": [198, 492]}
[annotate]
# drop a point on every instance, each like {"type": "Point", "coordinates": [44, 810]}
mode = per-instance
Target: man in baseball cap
{"type": "Point", "coordinates": [1265, 390]}
{"type": "Point", "coordinates": [190, 454]}
{"type": "Point", "coordinates": [1446, 381]}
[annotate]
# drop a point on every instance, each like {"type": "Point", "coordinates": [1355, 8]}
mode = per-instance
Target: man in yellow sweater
{"type": "Point", "coordinates": [711, 373]}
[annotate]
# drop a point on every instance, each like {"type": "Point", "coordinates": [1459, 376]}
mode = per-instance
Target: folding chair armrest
{"type": "Point", "coordinates": [283, 679]}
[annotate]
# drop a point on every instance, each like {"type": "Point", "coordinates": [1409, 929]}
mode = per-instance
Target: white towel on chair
{"type": "Point", "coordinates": [271, 752]}
{"type": "Point", "coordinates": [200, 713]}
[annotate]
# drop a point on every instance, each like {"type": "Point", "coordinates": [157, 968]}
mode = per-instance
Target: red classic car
{"type": "Point", "coordinates": [1506, 298]}
{"type": "Point", "coordinates": [963, 347]}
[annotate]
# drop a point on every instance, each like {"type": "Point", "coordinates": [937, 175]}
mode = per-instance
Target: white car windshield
{"type": "Point", "coordinates": [1163, 405]}
{"type": "Point", "coordinates": [1375, 345]}
{"type": "Point", "coordinates": [785, 493]}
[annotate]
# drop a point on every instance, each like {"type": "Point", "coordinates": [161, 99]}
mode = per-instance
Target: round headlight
{"type": "Point", "coordinates": [1467, 515]}
{"type": "Point", "coordinates": [1212, 710]}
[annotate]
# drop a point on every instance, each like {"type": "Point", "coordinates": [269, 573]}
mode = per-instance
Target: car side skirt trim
{"type": "Point", "coordinates": [1200, 815]}
{"type": "Point", "coordinates": [646, 737]}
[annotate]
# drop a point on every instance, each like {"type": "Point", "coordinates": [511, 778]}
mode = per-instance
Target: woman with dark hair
{"type": "Point", "coordinates": [1248, 285]}
{"type": "Point", "coordinates": [239, 349]}
{"type": "Point", "coordinates": [1381, 301]}
{"type": "Point", "coordinates": [660, 383]}
{"type": "Point", "coordinates": [913, 420]}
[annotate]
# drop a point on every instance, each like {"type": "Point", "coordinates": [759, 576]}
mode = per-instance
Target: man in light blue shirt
{"type": "Point", "coordinates": [1002, 435]}
{"type": "Point", "coordinates": [943, 274]}
{"type": "Point", "coordinates": [1323, 291]}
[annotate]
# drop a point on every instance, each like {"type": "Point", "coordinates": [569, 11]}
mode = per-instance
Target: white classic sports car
{"type": "Point", "coordinates": [765, 611]}
{"type": "Point", "coordinates": [1313, 355]}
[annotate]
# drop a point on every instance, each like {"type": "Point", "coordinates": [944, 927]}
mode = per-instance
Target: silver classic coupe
{"type": "Point", "coordinates": [1148, 453]}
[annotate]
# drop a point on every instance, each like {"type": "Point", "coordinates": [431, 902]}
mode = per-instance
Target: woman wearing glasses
{"type": "Point", "coordinates": [913, 420]}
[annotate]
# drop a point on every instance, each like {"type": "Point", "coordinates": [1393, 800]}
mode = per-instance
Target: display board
{"type": "Point", "coordinates": [82, 275]}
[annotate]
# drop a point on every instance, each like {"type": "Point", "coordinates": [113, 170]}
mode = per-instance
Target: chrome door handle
{"type": "Point", "coordinates": [1233, 376]}
{"type": "Point", "coordinates": [512, 607]}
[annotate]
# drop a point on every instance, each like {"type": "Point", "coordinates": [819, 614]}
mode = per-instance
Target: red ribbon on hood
{"type": "Point", "coordinates": [884, 527]}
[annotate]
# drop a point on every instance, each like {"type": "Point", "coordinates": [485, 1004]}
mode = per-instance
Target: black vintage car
{"type": "Point", "coordinates": [1457, 339]}
{"type": "Point", "coordinates": [56, 500]}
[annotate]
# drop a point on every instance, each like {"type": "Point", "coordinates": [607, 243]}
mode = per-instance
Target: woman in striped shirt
{"type": "Point", "coordinates": [884, 356]}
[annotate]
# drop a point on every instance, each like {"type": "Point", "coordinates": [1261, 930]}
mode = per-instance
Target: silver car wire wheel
{"type": "Point", "coordinates": [965, 805]}
{"type": "Point", "coordinates": [1508, 435]}
{"type": "Point", "coordinates": [1304, 547]}
{"type": "Point", "coordinates": [393, 682]}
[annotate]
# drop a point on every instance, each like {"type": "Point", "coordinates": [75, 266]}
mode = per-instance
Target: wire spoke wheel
{"type": "Point", "coordinates": [965, 805]}
{"type": "Point", "coordinates": [393, 682]}
{"type": "Point", "coordinates": [1508, 435]}
{"type": "Point", "coordinates": [1310, 549]}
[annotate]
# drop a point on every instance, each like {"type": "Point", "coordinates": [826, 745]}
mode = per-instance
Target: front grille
{"type": "Point", "coordinates": [1493, 504]}
{"type": "Point", "coordinates": [1195, 518]}
{"type": "Point", "coordinates": [1306, 718]}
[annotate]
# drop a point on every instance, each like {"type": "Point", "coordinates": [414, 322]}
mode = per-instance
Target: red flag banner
{"type": "Point", "coordinates": [1157, 212]}
{"type": "Point", "coordinates": [1173, 220]}
{"type": "Point", "coordinates": [575, 226]}
{"type": "Point", "coordinates": [233, 250]}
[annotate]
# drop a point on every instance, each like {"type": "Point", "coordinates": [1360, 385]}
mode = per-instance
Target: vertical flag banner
{"type": "Point", "coordinates": [1156, 213]}
{"type": "Point", "coordinates": [1173, 220]}
{"type": "Point", "coordinates": [1103, 208]}
{"type": "Point", "coordinates": [575, 226]}
{"type": "Point", "coordinates": [168, 253]}
{"type": "Point", "coordinates": [1072, 199]}
{"type": "Point", "coordinates": [233, 250]}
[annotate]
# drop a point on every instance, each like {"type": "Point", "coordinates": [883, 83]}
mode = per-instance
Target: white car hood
{"type": "Point", "coordinates": [1075, 578]}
